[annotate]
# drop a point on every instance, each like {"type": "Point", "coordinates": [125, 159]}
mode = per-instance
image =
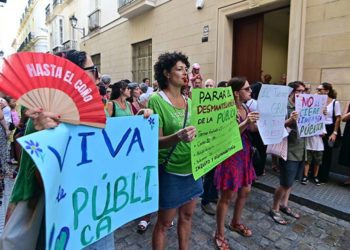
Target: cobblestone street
{"type": "Point", "coordinates": [314, 230]}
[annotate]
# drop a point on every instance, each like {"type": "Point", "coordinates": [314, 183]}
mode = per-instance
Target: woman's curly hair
{"type": "Point", "coordinates": [165, 62]}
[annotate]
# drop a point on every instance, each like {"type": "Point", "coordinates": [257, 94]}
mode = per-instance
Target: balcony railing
{"type": "Point", "coordinates": [47, 11]}
{"type": "Point", "coordinates": [130, 8]}
{"type": "Point", "coordinates": [26, 41]}
{"type": "Point", "coordinates": [94, 20]}
{"type": "Point", "coordinates": [56, 2]}
{"type": "Point", "coordinates": [67, 45]}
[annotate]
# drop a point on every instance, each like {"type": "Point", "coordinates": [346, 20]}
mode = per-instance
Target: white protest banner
{"type": "Point", "coordinates": [311, 120]}
{"type": "Point", "coordinates": [272, 107]}
{"type": "Point", "coordinates": [95, 180]}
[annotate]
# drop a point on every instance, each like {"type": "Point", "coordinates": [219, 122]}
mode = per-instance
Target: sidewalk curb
{"type": "Point", "coordinates": [308, 203]}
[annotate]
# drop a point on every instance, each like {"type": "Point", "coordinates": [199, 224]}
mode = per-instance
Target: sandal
{"type": "Point", "coordinates": [277, 217]}
{"type": "Point", "coordinates": [290, 212]}
{"type": "Point", "coordinates": [142, 226]}
{"type": "Point", "coordinates": [241, 229]}
{"type": "Point", "coordinates": [220, 242]}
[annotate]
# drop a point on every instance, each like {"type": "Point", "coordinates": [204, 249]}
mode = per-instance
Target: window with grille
{"type": "Point", "coordinates": [96, 59]}
{"type": "Point", "coordinates": [142, 60]}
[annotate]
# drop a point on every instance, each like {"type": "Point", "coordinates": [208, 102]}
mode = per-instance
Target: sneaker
{"type": "Point", "coordinates": [317, 181]}
{"type": "Point", "coordinates": [209, 209]}
{"type": "Point", "coordinates": [304, 180]}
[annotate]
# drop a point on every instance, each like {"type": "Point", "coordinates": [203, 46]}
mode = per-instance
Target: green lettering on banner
{"type": "Point", "coordinates": [120, 192]}
{"type": "Point", "coordinates": [83, 240]}
{"type": "Point", "coordinates": [100, 226]}
{"type": "Point", "coordinates": [213, 113]}
{"type": "Point", "coordinates": [77, 209]}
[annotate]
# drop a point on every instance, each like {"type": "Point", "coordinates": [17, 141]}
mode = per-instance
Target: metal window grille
{"type": "Point", "coordinates": [142, 60]}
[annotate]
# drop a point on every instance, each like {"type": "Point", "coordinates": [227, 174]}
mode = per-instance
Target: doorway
{"type": "Point", "coordinates": [260, 45]}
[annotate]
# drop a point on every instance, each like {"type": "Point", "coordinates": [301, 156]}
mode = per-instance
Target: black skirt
{"type": "Point", "coordinates": [344, 155]}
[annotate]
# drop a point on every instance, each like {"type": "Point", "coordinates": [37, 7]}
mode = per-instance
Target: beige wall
{"type": "Point", "coordinates": [318, 46]}
{"type": "Point", "coordinates": [327, 44]}
{"type": "Point", "coordinates": [275, 44]}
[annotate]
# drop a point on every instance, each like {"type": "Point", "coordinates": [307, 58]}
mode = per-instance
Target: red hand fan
{"type": "Point", "coordinates": [54, 84]}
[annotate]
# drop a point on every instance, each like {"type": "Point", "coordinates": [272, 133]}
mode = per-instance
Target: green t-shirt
{"type": "Point", "coordinates": [171, 120]}
{"type": "Point", "coordinates": [26, 185]}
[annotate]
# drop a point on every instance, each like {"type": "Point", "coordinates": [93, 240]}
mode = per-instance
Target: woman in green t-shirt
{"type": "Point", "coordinates": [178, 190]}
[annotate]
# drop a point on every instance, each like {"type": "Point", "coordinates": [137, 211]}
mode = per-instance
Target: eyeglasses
{"type": "Point", "coordinates": [93, 69]}
{"type": "Point", "coordinates": [319, 89]}
{"type": "Point", "coordinates": [247, 89]}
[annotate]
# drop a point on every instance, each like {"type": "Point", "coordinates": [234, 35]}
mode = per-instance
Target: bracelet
{"type": "Point", "coordinates": [335, 132]}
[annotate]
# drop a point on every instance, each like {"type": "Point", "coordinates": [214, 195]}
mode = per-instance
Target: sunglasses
{"type": "Point", "coordinates": [92, 69]}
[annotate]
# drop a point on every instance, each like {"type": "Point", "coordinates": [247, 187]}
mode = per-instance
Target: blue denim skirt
{"type": "Point", "coordinates": [175, 190]}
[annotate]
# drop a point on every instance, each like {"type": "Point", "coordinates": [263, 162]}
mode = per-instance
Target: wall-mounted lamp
{"type": "Point", "coordinates": [73, 22]}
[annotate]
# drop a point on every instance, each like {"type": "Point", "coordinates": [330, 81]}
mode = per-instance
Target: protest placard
{"type": "Point", "coordinates": [311, 120]}
{"type": "Point", "coordinates": [214, 115]}
{"type": "Point", "coordinates": [95, 180]}
{"type": "Point", "coordinates": [272, 106]}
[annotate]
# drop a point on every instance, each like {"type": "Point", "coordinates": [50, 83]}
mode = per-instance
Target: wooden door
{"type": "Point", "coordinates": [247, 47]}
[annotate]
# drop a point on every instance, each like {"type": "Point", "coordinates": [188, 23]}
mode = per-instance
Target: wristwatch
{"type": "Point", "coordinates": [335, 132]}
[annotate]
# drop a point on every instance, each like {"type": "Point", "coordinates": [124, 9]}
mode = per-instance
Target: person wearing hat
{"type": "Point", "coordinates": [134, 97]}
{"type": "Point", "coordinates": [195, 74]}
{"type": "Point", "coordinates": [105, 80]}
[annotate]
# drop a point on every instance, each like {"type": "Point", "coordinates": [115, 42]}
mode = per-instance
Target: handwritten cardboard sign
{"type": "Point", "coordinates": [311, 120]}
{"type": "Point", "coordinates": [95, 180]}
{"type": "Point", "coordinates": [214, 115]}
{"type": "Point", "coordinates": [272, 106]}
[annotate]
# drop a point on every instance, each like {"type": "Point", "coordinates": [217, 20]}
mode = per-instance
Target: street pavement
{"type": "Point", "coordinates": [314, 230]}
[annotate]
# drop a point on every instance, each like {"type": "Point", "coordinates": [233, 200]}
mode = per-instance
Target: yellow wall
{"type": "Point", "coordinates": [275, 44]}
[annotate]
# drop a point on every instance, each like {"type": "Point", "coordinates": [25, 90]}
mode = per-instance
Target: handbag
{"type": "Point", "coordinates": [12, 125]}
{"type": "Point", "coordinates": [279, 149]}
{"type": "Point", "coordinates": [23, 227]}
{"type": "Point", "coordinates": [337, 142]}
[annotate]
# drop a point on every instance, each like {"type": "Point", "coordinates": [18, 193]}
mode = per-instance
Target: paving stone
{"type": "Point", "coordinates": [335, 230]}
{"type": "Point", "coordinates": [291, 236]}
{"type": "Point", "coordinates": [307, 210]}
{"type": "Point", "coordinates": [264, 242]}
{"type": "Point", "coordinates": [258, 215]}
{"type": "Point", "coordinates": [273, 235]}
{"type": "Point", "coordinates": [304, 246]}
{"type": "Point", "coordinates": [330, 240]}
{"type": "Point", "coordinates": [298, 228]}
{"type": "Point", "coordinates": [328, 218]}
{"type": "Point", "coordinates": [265, 224]}
{"type": "Point", "coordinates": [306, 220]}
{"type": "Point", "coordinates": [316, 232]}
{"type": "Point", "coordinates": [282, 244]}
{"type": "Point", "coordinates": [322, 224]}
{"type": "Point", "coordinates": [343, 223]}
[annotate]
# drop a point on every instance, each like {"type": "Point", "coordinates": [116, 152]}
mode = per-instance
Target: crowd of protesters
{"type": "Point", "coordinates": [169, 97]}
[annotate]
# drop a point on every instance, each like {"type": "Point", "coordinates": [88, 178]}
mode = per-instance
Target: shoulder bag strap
{"type": "Point", "coordinates": [113, 112]}
{"type": "Point", "coordinates": [173, 147]}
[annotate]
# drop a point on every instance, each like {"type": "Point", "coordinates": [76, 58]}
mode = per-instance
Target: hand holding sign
{"type": "Point", "coordinates": [187, 134]}
{"type": "Point", "coordinates": [43, 120]}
